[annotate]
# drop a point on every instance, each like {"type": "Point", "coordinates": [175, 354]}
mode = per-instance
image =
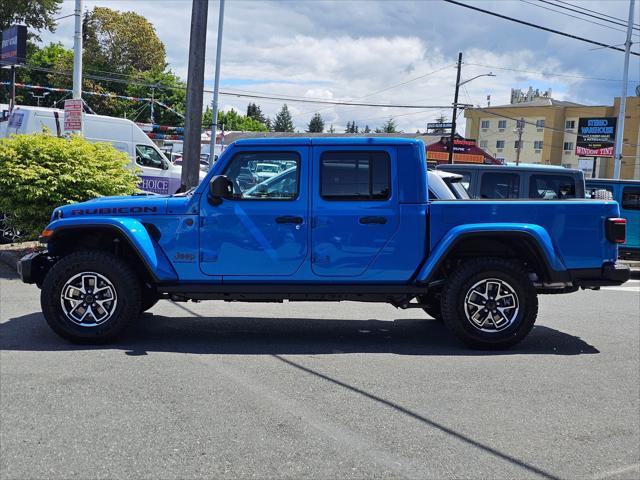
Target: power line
{"type": "Point", "coordinates": [623, 22]}
{"type": "Point", "coordinates": [572, 16]}
{"type": "Point", "coordinates": [246, 95]}
{"type": "Point", "coordinates": [540, 27]}
{"type": "Point", "coordinates": [549, 74]}
{"type": "Point", "coordinates": [385, 89]}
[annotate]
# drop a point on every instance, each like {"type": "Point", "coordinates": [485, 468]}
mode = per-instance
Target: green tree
{"type": "Point", "coordinates": [316, 124]}
{"type": "Point", "coordinates": [121, 42]}
{"type": "Point", "coordinates": [283, 121]}
{"type": "Point", "coordinates": [39, 172]}
{"type": "Point", "coordinates": [331, 129]}
{"type": "Point", "coordinates": [233, 121]}
{"type": "Point", "coordinates": [366, 129]}
{"type": "Point", "coordinates": [168, 89]}
{"type": "Point", "coordinates": [389, 126]}
{"type": "Point", "coordinates": [254, 111]}
{"type": "Point", "coordinates": [35, 14]}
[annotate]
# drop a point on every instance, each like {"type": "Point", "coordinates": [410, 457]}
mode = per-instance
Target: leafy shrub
{"type": "Point", "coordinates": [40, 172]}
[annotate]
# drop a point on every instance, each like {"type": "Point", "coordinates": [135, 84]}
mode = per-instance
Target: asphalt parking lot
{"type": "Point", "coordinates": [321, 390]}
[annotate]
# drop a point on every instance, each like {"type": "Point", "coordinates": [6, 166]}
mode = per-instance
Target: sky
{"type": "Point", "coordinates": [389, 52]}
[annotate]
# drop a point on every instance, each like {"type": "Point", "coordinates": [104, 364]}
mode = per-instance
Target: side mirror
{"type": "Point", "coordinates": [220, 188]}
{"type": "Point", "coordinates": [165, 166]}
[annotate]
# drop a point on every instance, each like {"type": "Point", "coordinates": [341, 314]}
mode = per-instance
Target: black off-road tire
{"type": "Point", "coordinates": [460, 283]}
{"type": "Point", "coordinates": [434, 310]}
{"type": "Point", "coordinates": [122, 278]}
{"type": "Point", "coordinates": [148, 298]}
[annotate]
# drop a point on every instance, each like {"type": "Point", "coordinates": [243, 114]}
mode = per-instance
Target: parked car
{"type": "Point", "coordinates": [446, 186]}
{"type": "Point", "coordinates": [627, 194]}
{"type": "Point", "coordinates": [351, 220]}
{"type": "Point", "coordinates": [545, 182]}
{"type": "Point", "coordinates": [158, 175]}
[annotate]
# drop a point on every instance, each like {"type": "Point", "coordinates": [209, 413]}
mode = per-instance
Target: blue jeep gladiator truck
{"type": "Point", "coordinates": [329, 220]}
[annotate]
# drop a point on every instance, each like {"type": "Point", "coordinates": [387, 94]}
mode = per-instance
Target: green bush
{"type": "Point", "coordinates": [40, 172]}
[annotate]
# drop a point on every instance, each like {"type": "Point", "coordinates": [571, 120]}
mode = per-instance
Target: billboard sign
{"type": "Point", "coordinates": [73, 115]}
{"type": "Point", "coordinates": [14, 45]}
{"type": "Point", "coordinates": [596, 137]}
{"type": "Point", "coordinates": [460, 145]}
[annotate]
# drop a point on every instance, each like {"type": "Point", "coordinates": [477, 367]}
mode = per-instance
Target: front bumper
{"type": "Point", "coordinates": [33, 267]}
{"type": "Point", "coordinates": [611, 274]}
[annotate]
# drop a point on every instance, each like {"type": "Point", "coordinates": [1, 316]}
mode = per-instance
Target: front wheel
{"type": "Point", "coordinates": [90, 297]}
{"type": "Point", "coordinates": [489, 303]}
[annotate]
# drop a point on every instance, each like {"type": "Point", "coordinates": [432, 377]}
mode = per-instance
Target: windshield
{"type": "Point", "coordinates": [456, 186]}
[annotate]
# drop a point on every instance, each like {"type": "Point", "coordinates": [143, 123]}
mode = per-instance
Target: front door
{"type": "Point", "coordinates": [354, 208]}
{"type": "Point", "coordinates": [263, 229]}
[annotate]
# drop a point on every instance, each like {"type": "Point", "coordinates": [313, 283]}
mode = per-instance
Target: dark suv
{"type": "Point", "coordinates": [542, 182]}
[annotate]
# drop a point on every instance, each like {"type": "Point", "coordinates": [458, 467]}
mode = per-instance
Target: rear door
{"type": "Point", "coordinates": [263, 230]}
{"type": "Point", "coordinates": [354, 207]}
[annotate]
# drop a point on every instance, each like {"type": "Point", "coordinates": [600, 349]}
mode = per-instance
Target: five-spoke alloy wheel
{"type": "Point", "coordinates": [88, 299]}
{"type": "Point", "coordinates": [491, 305]}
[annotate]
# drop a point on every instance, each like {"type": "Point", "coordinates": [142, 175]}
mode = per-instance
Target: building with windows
{"type": "Point", "coordinates": [549, 131]}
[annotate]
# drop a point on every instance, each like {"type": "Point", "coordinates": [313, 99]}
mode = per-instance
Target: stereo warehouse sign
{"type": "Point", "coordinates": [596, 137]}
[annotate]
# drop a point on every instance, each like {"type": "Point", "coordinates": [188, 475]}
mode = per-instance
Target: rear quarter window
{"type": "Point", "coordinates": [631, 198]}
{"type": "Point", "coordinates": [498, 185]}
{"type": "Point", "coordinates": [552, 187]}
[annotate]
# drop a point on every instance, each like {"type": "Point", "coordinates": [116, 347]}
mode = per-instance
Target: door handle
{"type": "Point", "coordinates": [373, 220]}
{"type": "Point", "coordinates": [289, 219]}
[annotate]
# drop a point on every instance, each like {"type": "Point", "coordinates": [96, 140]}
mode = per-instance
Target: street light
{"type": "Point", "coordinates": [38, 97]}
{"type": "Point", "coordinates": [455, 102]}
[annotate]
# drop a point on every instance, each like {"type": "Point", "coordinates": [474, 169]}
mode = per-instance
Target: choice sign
{"type": "Point", "coordinates": [14, 45]}
{"type": "Point", "coordinates": [596, 137]}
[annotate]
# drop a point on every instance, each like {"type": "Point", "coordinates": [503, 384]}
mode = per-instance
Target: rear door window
{"type": "Point", "coordinates": [355, 175]}
{"type": "Point", "coordinates": [498, 185]}
{"type": "Point", "coordinates": [552, 187]}
{"type": "Point", "coordinates": [631, 198]}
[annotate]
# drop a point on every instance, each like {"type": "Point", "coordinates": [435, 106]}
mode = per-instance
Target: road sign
{"type": "Point", "coordinates": [439, 126]}
{"type": "Point", "coordinates": [14, 45]}
{"type": "Point", "coordinates": [73, 115]}
{"type": "Point", "coordinates": [596, 137]}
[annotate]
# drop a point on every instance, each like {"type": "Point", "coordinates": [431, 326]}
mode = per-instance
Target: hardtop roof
{"type": "Point", "coordinates": [344, 141]}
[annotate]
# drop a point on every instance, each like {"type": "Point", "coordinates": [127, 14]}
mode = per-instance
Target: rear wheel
{"type": "Point", "coordinates": [489, 303]}
{"type": "Point", "coordinates": [90, 297]}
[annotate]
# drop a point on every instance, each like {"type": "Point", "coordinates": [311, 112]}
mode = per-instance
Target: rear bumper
{"type": "Point", "coordinates": [609, 275]}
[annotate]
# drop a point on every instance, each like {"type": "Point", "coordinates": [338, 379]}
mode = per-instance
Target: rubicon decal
{"type": "Point", "coordinates": [113, 210]}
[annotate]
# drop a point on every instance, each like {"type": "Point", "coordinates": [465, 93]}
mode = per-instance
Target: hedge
{"type": "Point", "coordinates": [39, 172]}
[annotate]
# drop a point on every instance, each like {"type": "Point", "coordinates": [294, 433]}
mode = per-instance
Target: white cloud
{"type": "Point", "coordinates": [350, 50]}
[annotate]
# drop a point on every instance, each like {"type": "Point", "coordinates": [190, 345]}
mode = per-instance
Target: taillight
{"type": "Point", "coordinates": [616, 229]}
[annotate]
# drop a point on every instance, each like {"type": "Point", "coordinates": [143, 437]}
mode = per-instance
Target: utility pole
{"type": "Point", "coordinates": [455, 108]}
{"type": "Point", "coordinates": [12, 103]}
{"type": "Point", "coordinates": [195, 87]}
{"type": "Point", "coordinates": [151, 114]}
{"type": "Point", "coordinates": [520, 128]}
{"type": "Point", "coordinates": [216, 86]}
{"type": "Point", "coordinates": [77, 52]}
{"type": "Point", "coordinates": [623, 98]}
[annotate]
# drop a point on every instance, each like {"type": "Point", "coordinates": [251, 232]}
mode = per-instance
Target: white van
{"type": "Point", "coordinates": [158, 175]}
